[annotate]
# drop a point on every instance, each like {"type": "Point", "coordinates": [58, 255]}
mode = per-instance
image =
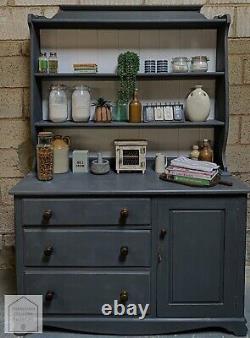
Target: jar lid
{"type": "Point", "coordinates": [200, 58]}
{"type": "Point", "coordinates": [82, 87]}
{"type": "Point", "coordinates": [180, 58]}
{"type": "Point", "coordinates": [45, 134]}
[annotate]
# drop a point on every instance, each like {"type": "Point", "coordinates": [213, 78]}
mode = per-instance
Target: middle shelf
{"type": "Point", "coordinates": [114, 124]}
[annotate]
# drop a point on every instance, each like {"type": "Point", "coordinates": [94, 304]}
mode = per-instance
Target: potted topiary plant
{"type": "Point", "coordinates": [128, 67]}
{"type": "Point", "coordinates": [102, 110]}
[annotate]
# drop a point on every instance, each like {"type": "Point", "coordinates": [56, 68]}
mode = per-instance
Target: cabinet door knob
{"type": "Point", "coordinates": [163, 233]}
{"type": "Point", "coordinates": [49, 296]}
{"type": "Point", "coordinates": [47, 216]}
{"type": "Point", "coordinates": [48, 251]}
{"type": "Point", "coordinates": [123, 215]}
{"type": "Point", "coordinates": [123, 252]}
{"type": "Point", "coordinates": [124, 296]}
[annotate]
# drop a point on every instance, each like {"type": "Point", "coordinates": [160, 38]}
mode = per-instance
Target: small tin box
{"type": "Point", "coordinates": [80, 161]}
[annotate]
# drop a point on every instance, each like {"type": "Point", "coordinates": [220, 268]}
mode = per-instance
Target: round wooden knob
{"type": "Point", "coordinates": [49, 296]}
{"type": "Point", "coordinates": [47, 215]}
{"type": "Point", "coordinates": [124, 296]}
{"type": "Point", "coordinates": [124, 213]}
{"type": "Point", "coordinates": [48, 251]}
{"type": "Point", "coordinates": [124, 251]}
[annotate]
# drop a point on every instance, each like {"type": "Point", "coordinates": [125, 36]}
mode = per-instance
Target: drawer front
{"type": "Point", "coordinates": [94, 211]}
{"type": "Point", "coordinates": [85, 292]}
{"type": "Point", "coordinates": [54, 247]}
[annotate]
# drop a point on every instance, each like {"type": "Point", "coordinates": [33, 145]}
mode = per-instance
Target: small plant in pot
{"type": "Point", "coordinates": [102, 110]}
{"type": "Point", "coordinates": [128, 67]}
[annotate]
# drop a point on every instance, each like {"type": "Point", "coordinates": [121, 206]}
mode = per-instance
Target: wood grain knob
{"type": "Point", "coordinates": [124, 296]}
{"type": "Point", "coordinates": [124, 213]}
{"type": "Point", "coordinates": [49, 295]}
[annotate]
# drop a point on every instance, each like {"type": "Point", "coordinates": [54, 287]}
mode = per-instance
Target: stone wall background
{"type": "Point", "coordinates": [15, 150]}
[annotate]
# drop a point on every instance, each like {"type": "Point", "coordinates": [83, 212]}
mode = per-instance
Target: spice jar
{"type": "Point", "coordinates": [206, 153]}
{"type": "Point", "coordinates": [43, 63]}
{"type": "Point", "coordinates": [58, 104]}
{"type": "Point", "coordinates": [53, 63]}
{"type": "Point", "coordinates": [81, 104]}
{"type": "Point", "coordinates": [180, 64]}
{"type": "Point", "coordinates": [61, 154]}
{"type": "Point", "coordinates": [44, 156]}
{"type": "Point", "coordinates": [194, 155]}
{"type": "Point", "coordinates": [199, 64]}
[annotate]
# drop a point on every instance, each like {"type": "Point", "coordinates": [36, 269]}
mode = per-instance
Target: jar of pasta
{"type": "Point", "coordinates": [45, 156]}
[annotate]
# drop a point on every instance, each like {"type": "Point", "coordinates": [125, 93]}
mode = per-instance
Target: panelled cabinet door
{"type": "Point", "coordinates": [201, 270]}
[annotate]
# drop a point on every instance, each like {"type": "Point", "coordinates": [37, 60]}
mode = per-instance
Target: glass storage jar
{"type": "Point", "coordinates": [199, 64]}
{"type": "Point", "coordinates": [58, 104]}
{"type": "Point", "coordinates": [45, 156]}
{"type": "Point", "coordinates": [81, 104]}
{"type": "Point", "coordinates": [180, 64]}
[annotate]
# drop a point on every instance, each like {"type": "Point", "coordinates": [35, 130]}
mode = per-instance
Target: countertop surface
{"type": "Point", "coordinates": [118, 184]}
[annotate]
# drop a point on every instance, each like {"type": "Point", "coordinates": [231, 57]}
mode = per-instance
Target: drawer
{"type": "Point", "coordinates": [96, 211]}
{"type": "Point", "coordinates": [81, 292]}
{"type": "Point", "coordinates": [54, 247]}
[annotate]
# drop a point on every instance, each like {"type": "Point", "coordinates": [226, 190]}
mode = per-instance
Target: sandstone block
{"type": "Point", "coordinates": [7, 257]}
{"type": "Point", "coordinates": [26, 102]}
{"type": "Point", "coordinates": [10, 102]}
{"type": "Point", "coordinates": [10, 48]}
{"type": "Point", "coordinates": [234, 130]}
{"type": "Point", "coordinates": [239, 46]}
{"type": "Point", "coordinates": [245, 131]}
{"type": "Point", "coordinates": [44, 2]}
{"type": "Point", "coordinates": [173, 2]}
{"type": "Point", "coordinates": [14, 22]}
{"type": "Point", "coordinates": [212, 11]}
{"type": "Point", "coordinates": [236, 69]}
{"type": "Point", "coordinates": [6, 219]}
{"type": "Point", "coordinates": [111, 2]}
{"type": "Point", "coordinates": [243, 21]}
{"type": "Point", "coordinates": [25, 48]}
{"type": "Point", "coordinates": [13, 133]}
{"type": "Point", "coordinates": [14, 71]}
{"type": "Point", "coordinates": [247, 69]}
{"type": "Point", "coordinates": [9, 163]}
{"type": "Point", "coordinates": [9, 240]}
{"type": "Point", "coordinates": [238, 158]}
{"type": "Point", "coordinates": [239, 100]}
{"type": "Point", "coordinates": [3, 2]}
{"type": "Point", "coordinates": [25, 156]}
{"type": "Point", "coordinates": [5, 185]}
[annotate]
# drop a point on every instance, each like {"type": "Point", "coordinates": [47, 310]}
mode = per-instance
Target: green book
{"type": "Point", "coordinates": [192, 181]}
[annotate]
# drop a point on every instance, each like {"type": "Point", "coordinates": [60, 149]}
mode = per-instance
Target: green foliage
{"type": "Point", "coordinates": [128, 67]}
{"type": "Point", "coordinates": [101, 102]}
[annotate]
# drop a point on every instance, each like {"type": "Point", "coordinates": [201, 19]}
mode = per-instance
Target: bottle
{"type": "Point", "coordinates": [135, 109]}
{"type": "Point", "coordinates": [53, 63]}
{"type": "Point", "coordinates": [43, 63]}
{"type": "Point", "coordinates": [194, 155]}
{"type": "Point", "coordinates": [206, 154]}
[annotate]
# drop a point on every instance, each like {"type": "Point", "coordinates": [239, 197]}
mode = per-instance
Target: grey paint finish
{"type": "Point", "coordinates": [76, 211]}
{"type": "Point", "coordinates": [87, 247]}
{"type": "Point", "coordinates": [84, 292]}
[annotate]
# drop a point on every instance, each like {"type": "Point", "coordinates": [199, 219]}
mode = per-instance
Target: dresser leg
{"type": "Point", "coordinates": [238, 329]}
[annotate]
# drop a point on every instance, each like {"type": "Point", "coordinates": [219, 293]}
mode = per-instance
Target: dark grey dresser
{"type": "Point", "coordinates": [88, 240]}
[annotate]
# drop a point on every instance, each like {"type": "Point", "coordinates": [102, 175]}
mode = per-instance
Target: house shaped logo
{"type": "Point", "coordinates": [23, 313]}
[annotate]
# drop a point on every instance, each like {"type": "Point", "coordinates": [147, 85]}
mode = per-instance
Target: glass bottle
{"type": "Point", "coordinates": [135, 109]}
{"type": "Point", "coordinates": [206, 153]}
{"type": "Point", "coordinates": [43, 63]}
{"type": "Point", "coordinates": [53, 63]}
{"type": "Point", "coordinates": [81, 104]}
{"type": "Point", "coordinates": [58, 104]}
{"type": "Point", "coordinates": [45, 156]}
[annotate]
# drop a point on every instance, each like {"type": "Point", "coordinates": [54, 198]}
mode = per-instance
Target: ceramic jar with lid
{"type": "Point", "coordinates": [198, 105]}
{"type": "Point", "coordinates": [199, 64]}
{"type": "Point", "coordinates": [61, 154]}
{"type": "Point", "coordinates": [58, 104]}
{"type": "Point", "coordinates": [81, 104]}
{"type": "Point", "coordinates": [180, 64]}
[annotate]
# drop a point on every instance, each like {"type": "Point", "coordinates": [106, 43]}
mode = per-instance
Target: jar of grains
{"type": "Point", "coordinates": [58, 104]}
{"type": "Point", "coordinates": [45, 156]}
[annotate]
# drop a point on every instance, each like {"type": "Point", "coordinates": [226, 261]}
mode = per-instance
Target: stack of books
{"type": "Point", "coordinates": [191, 172]}
{"type": "Point", "coordinates": [85, 68]}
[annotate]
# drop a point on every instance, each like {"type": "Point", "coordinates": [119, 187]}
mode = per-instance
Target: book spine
{"type": "Point", "coordinates": [191, 181]}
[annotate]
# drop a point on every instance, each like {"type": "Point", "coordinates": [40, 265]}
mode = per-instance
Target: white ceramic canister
{"type": "Point", "coordinates": [61, 154]}
{"type": "Point", "coordinates": [81, 104]}
{"type": "Point", "coordinates": [58, 104]}
{"type": "Point", "coordinates": [198, 105]}
{"type": "Point", "coordinates": [160, 163]}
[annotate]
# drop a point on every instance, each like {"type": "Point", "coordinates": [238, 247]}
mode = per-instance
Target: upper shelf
{"type": "Point", "coordinates": [129, 17]}
{"type": "Point", "coordinates": [141, 76]}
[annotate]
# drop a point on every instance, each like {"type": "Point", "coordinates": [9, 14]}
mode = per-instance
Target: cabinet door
{"type": "Point", "coordinates": [201, 273]}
